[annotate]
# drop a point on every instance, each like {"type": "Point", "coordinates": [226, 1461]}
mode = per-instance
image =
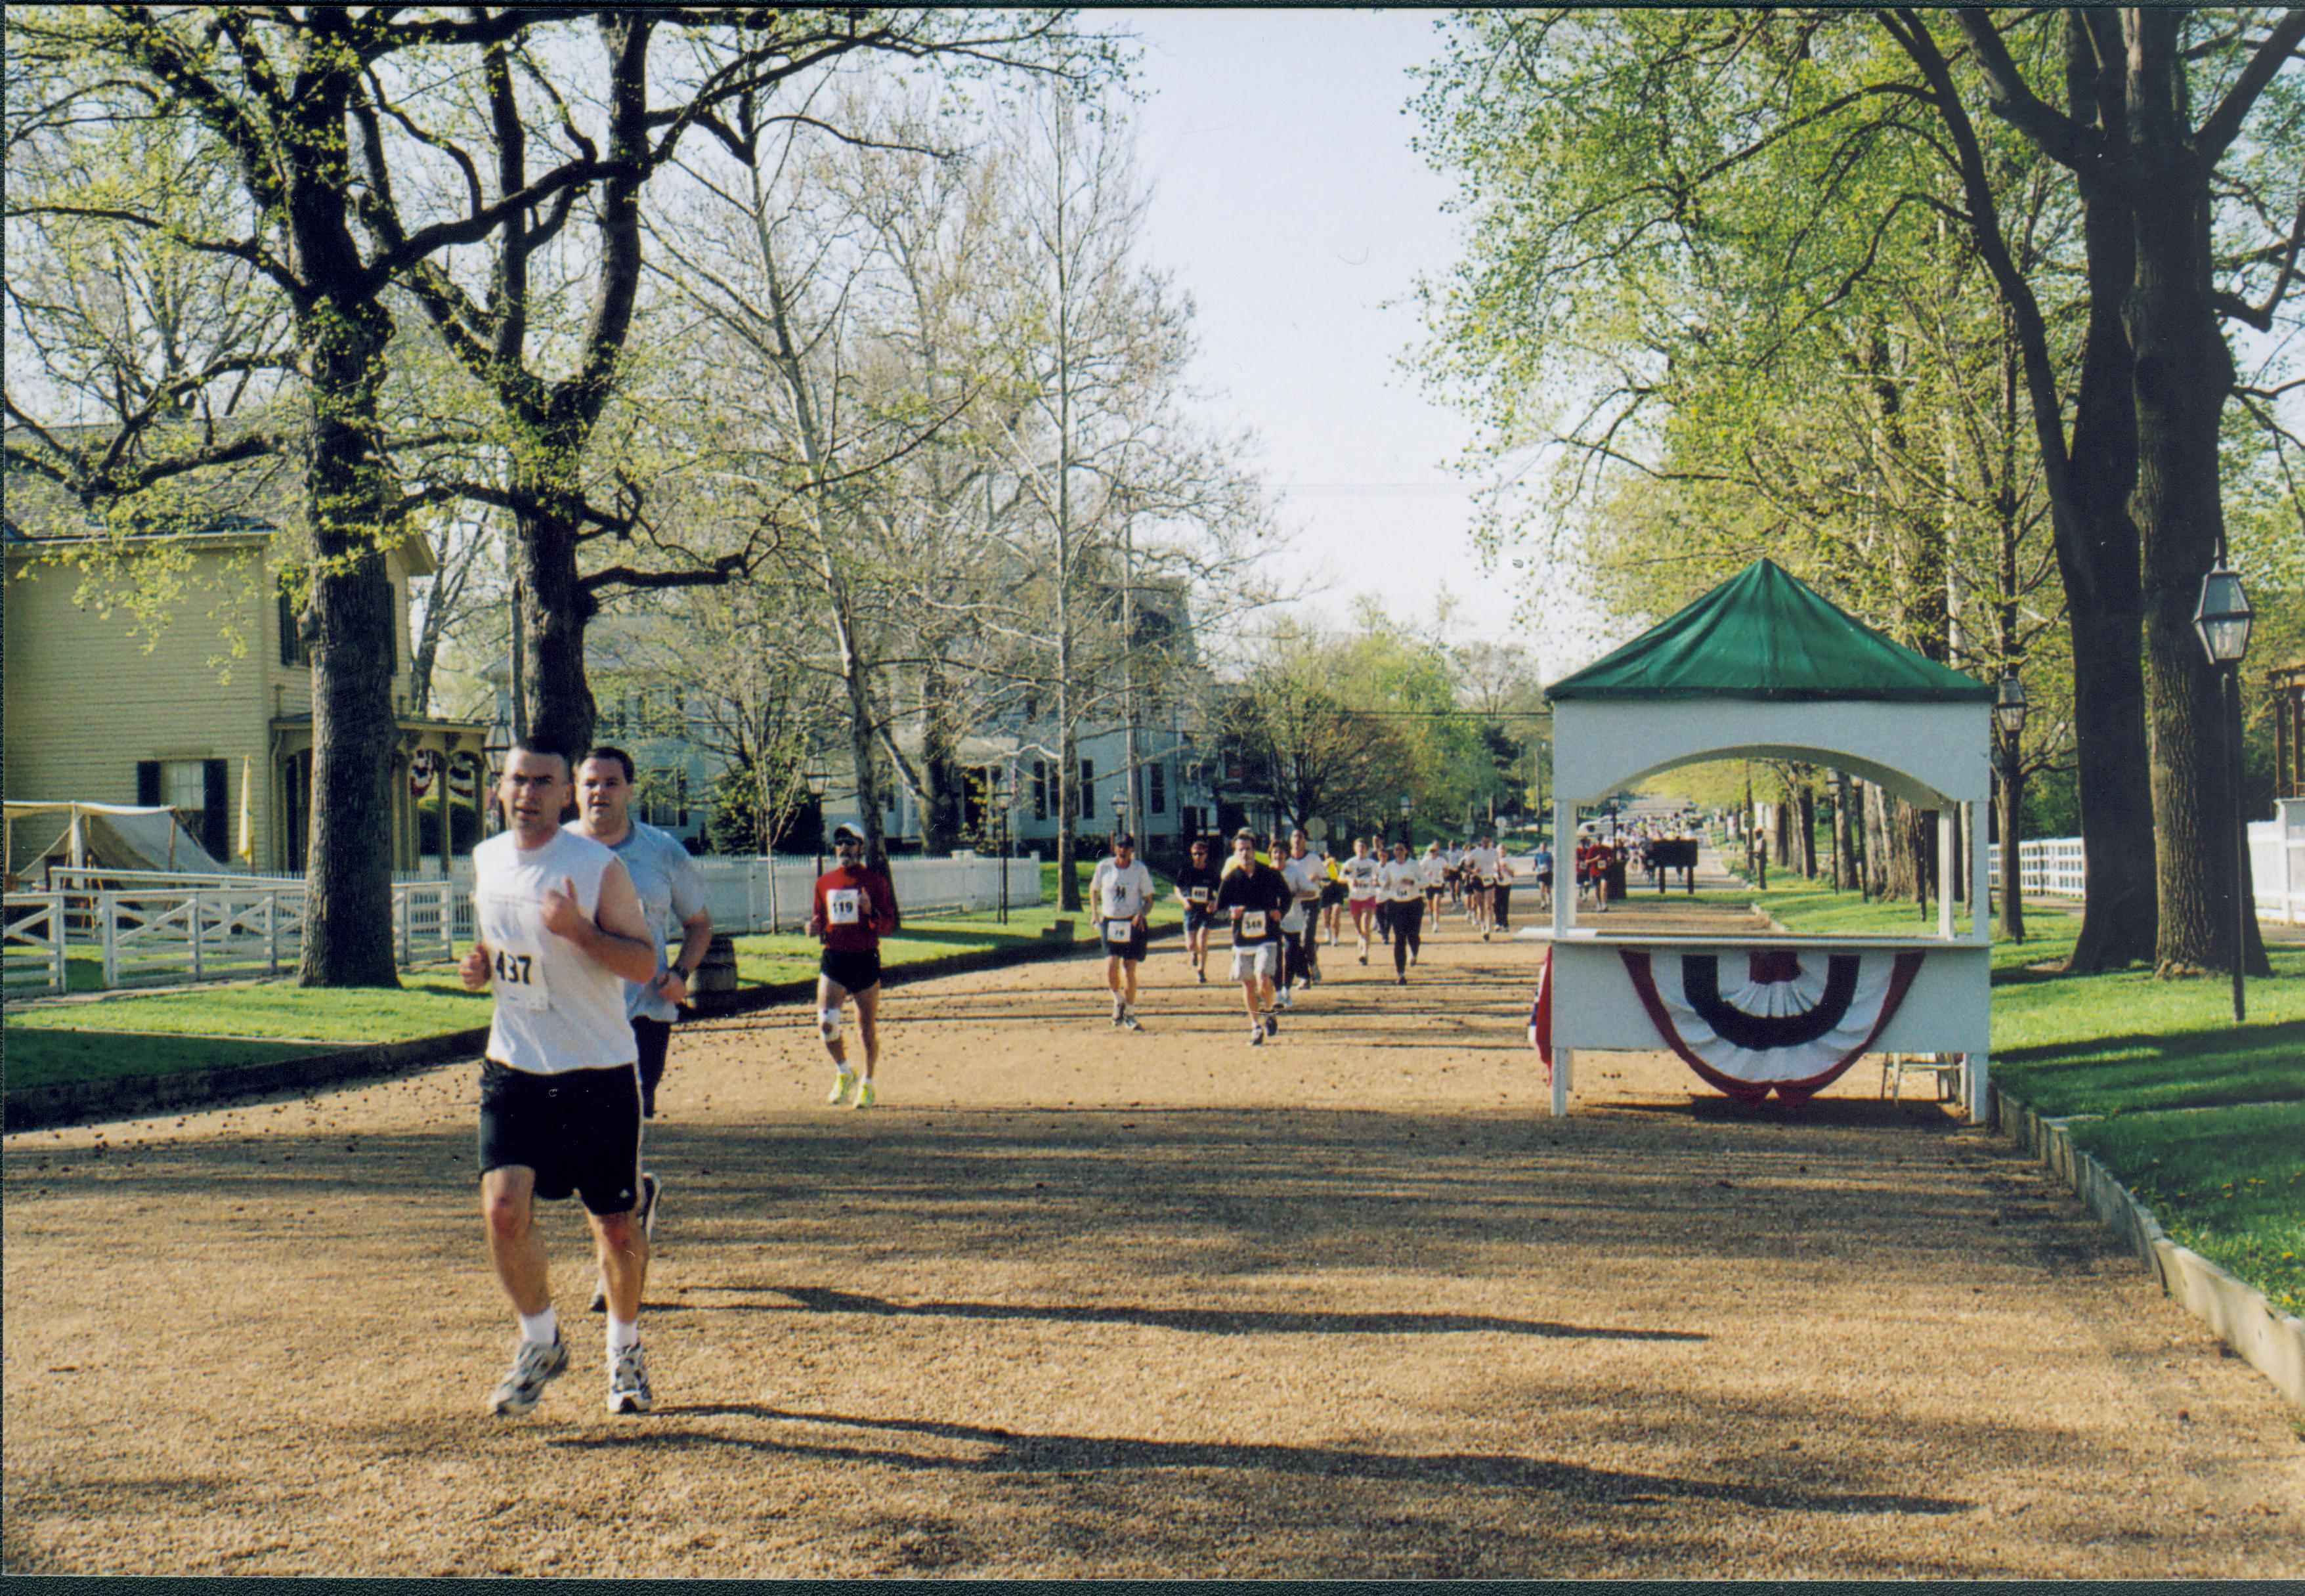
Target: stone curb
{"type": "Point", "coordinates": [2269, 1340]}
{"type": "Point", "coordinates": [129, 1096]}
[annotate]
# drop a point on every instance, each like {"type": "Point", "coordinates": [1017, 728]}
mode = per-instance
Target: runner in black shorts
{"type": "Point", "coordinates": [1197, 889]}
{"type": "Point", "coordinates": [560, 933]}
{"type": "Point", "coordinates": [854, 906]}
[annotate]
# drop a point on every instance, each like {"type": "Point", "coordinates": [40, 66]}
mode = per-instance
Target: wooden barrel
{"type": "Point", "coordinates": [714, 985]}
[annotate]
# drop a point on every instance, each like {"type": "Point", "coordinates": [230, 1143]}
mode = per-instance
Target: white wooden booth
{"type": "Point", "coordinates": [1730, 682]}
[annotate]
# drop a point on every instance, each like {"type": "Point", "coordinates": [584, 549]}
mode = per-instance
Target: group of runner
{"type": "Point", "coordinates": [576, 925]}
{"type": "Point", "coordinates": [1280, 911]}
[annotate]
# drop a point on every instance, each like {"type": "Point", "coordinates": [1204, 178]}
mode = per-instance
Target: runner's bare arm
{"type": "Point", "coordinates": [616, 936]}
{"type": "Point", "coordinates": [696, 941]}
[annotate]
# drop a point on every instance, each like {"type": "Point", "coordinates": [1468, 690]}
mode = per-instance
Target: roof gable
{"type": "Point", "coordinates": [1767, 634]}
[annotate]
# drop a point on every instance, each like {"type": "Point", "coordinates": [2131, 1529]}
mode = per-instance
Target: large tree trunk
{"type": "Point", "coordinates": [348, 939]}
{"type": "Point", "coordinates": [940, 768]}
{"type": "Point", "coordinates": [1808, 824]}
{"type": "Point", "coordinates": [555, 609]}
{"type": "Point", "coordinates": [2011, 801]}
{"type": "Point", "coordinates": [2097, 557]}
{"type": "Point", "coordinates": [1844, 837]}
{"type": "Point", "coordinates": [2182, 374]}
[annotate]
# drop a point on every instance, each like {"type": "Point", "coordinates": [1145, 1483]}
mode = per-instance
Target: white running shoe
{"type": "Point", "coordinates": [534, 1366]}
{"type": "Point", "coordinates": [844, 1086]}
{"type": "Point", "coordinates": [628, 1381]}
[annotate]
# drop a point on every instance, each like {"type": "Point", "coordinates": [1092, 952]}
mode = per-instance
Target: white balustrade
{"type": "Point", "coordinates": [156, 927]}
{"type": "Point", "coordinates": [34, 965]}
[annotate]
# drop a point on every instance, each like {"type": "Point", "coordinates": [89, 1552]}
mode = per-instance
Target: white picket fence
{"type": "Point", "coordinates": [2046, 866]}
{"type": "Point", "coordinates": [154, 927]}
{"type": "Point", "coordinates": [149, 929]}
{"type": "Point", "coordinates": [2053, 867]}
{"type": "Point", "coordinates": [2276, 865]}
{"type": "Point", "coordinates": [773, 894]}
{"type": "Point", "coordinates": [34, 961]}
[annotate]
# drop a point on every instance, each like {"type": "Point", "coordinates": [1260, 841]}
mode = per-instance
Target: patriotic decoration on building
{"type": "Point", "coordinates": [1539, 1017]}
{"type": "Point", "coordinates": [1782, 1019]}
{"type": "Point", "coordinates": [423, 770]}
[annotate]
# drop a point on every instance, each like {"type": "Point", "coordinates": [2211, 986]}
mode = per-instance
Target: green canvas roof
{"type": "Point", "coordinates": [1767, 634]}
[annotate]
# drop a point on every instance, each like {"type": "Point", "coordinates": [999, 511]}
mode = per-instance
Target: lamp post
{"type": "Point", "coordinates": [2009, 715]}
{"type": "Point", "coordinates": [1407, 805]}
{"type": "Point", "coordinates": [2221, 620]}
{"type": "Point", "coordinates": [817, 781]}
{"type": "Point", "coordinates": [1003, 783]}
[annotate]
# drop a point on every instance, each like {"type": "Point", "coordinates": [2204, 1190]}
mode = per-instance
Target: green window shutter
{"type": "Point", "coordinates": [215, 832]}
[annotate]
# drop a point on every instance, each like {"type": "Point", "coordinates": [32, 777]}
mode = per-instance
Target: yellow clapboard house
{"type": "Point", "coordinates": [203, 703]}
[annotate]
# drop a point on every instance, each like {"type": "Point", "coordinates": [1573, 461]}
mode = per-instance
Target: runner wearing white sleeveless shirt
{"type": "Point", "coordinates": [556, 1008]}
{"type": "Point", "coordinates": [561, 931]}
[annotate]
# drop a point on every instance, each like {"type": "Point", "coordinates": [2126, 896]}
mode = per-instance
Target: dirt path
{"type": "Point", "coordinates": [1080, 1304]}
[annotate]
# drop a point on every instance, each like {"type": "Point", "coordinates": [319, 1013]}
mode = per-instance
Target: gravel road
{"type": "Point", "coordinates": [1074, 1303]}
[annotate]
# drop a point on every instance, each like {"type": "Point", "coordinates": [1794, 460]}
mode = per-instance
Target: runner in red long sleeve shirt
{"type": "Point", "coordinates": [854, 907]}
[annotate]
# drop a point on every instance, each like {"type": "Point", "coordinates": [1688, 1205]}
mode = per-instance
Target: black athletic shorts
{"type": "Point", "coordinates": [1131, 947]}
{"type": "Point", "coordinates": [1197, 917]}
{"type": "Point", "coordinates": [1333, 892]}
{"type": "Point", "coordinates": [654, 1039]}
{"type": "Point", "coordinates": [580, 1131]}
{"type": "Point", "coordinates": [850, 970]}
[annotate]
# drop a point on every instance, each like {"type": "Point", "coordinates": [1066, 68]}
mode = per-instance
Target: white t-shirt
{"type": "Point", "coordinates": [1430, 871]}
{"type": "Point", "coordinates": [1306, 878]}
{"type": "Point", "coordinates": [1359, 876]}
{"type": "Point", "coordinates": [1402, 883]}
{"type": "Point", "coordinates": [1120, 893]}
{"type": "Point", "coordinates": [1483, 862]}
{"type": "Point", "coordinates": [556, 1008]}
{"type": "Point", "coordinates": [671, 892]}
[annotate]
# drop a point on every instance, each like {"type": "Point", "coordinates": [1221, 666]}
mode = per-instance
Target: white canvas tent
{"type": "Point", "coordinates": [1762, 668]}
{"type": "Point", "coordinates": [103, 836]}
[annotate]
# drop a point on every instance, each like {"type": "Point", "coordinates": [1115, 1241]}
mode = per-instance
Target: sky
{"type": "Point", "coordinates": [1287, 201]}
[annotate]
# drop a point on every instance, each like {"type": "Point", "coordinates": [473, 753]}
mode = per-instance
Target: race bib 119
{"type": "Point", "coordinates": [842, 906]}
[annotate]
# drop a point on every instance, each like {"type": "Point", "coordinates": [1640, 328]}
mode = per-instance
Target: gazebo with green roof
{"type": "Point", "coordinates": [1764, 667]}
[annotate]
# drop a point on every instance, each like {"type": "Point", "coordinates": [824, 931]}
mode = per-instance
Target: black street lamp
{"type": "Point", "coordinates": [1407, 805]}
{"type": "Point", "coordinates": [817, 782]}
{"type": "Point", "coordinates": [2222, 619]}
{"type": "Point", "coordinates": [1003, 785]}
{"type": "Point", "coordinates": [2009, 708]}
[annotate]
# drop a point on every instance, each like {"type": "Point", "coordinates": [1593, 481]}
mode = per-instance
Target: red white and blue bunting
{"type": "Point", "coordinates": [1789, 1021]}
{"type": "Point", "coordinates": [1795, 1022]}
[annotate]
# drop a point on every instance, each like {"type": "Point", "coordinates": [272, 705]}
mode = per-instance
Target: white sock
{"type": "Point", "coordinates": [543, 1328]}
{"type": "Point", "coordinates": [622, 1333]}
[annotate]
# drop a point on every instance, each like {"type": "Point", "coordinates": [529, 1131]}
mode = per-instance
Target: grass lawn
{"type": "Point", "coordinates": [213, 1027]}
{"type": "Point", "coordinates": [2228, 1182]}
{"type": "Point", "coordinates": [47, 1057]}
{"type": "Point", "coordinates": [2203, 1120]}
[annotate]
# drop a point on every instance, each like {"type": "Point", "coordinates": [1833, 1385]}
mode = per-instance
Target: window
{"type": "Point", "coordinates": [1088, 788]}
{"type": "Point", "coordinates": [293, 650]}
{"type": "Point", "coordinates": [195, 790]}
{"type": "Point", "coordinates": [1040, 789]}
{"type": "Point", "coordinates": [1156, 783]}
